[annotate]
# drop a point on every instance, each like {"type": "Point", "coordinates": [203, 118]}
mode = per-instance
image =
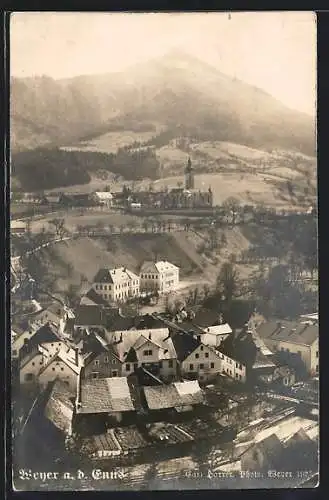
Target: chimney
{"type": "Point", "coordinates": [150, 335]}
{"type": "Point", "coordinates": [121, 337]}
{"type": "Point", "coordinates": [77, 360]}
{"type": "Point", "coordinates": [198, 337]}
{"type": "Point", "coordinates": [78, 398]}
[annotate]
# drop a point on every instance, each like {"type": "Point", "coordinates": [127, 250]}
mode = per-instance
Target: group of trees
{"type": "Point", "coordinates": [46, 168]}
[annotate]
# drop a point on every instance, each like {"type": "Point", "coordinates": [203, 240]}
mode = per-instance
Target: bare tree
{"type": "Point", "coordinates": [232, 205]}
{"type": "Point", "coordinates": [60, 229]}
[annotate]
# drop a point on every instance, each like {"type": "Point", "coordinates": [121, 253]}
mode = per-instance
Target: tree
{"type": "Point", "coordinates": [232, 205]}
{"type": "Point", "coordinates": [71, 295]}
{"type": "Point", "coordinates": [228, 282]}
{"type": "Point", "coordinates": [59, 227]}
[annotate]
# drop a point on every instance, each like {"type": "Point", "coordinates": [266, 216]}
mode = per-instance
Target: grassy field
{"type": "Point", "coordinates": [75, 262]}
{"type": "Point", "coordinates": [112, 141]}
{"type": "Point", "coordinates": [68, 262]}
{"type": "Point", "coordinates": [248, 188]}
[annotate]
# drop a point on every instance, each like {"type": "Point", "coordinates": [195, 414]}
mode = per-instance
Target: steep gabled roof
{"type": "Point", "coordinates": [184, 345]}
{"type": "Point", "coordinates": [66, 355]}
{"type": "Point", "coordinates": [44, 334]}
{"type": "Point", "coordinates": [105, 395]}
{"type": "Point", "coordinates": [59, 407]}
{"type": "Point", "coordinates": [289, 331]}
{"type": "Point", "coordinates": [174, 395]}
{"type": "Point", "coordinates": [112, 276]}
{"type": "Point", "coordinates": [124, 341]}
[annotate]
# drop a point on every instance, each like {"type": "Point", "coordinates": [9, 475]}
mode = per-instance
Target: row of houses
{"type": "Point", "coordinates": [121, 284]}
{"type": "Point", "coordinates": [45, 355]}
{"type": "Point", "coordinates": [98, 198]}
{"type": "Point", "coordinates": [107, 344]}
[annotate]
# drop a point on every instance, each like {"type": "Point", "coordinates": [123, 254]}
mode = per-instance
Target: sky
{"type": "Point", "coordinates": [275, 51]}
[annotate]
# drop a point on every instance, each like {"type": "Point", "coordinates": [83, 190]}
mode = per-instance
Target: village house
{"type": "Point", "coordinates": [160, 276]}
{"type": "Point", "coordinates": [30, 337]}
{"type": "Point", "coordinates": [204, 362]}
{"type": "Point", "coordinates": [216, 334]}
{"type": "Point", "coordinates": [293, 339]}
{"type": "Point", "coordinates": [31, 366]}
{"type": "Point", "coordinates": [100, 359]}
{"type": "Point", "coordinates": [104, 198]}
{"type": "Point", "coordinates": [151, 349]}
{"type": "Point", "coordinates": [116, 285]}
{"type": "Point", "coordinates": [59, 408]}
{"type": "Point", "coordinates": [179, 396]}
{"type": "Point", "coordinates": [65, 365]}
{"type": "Point", "coordinates": [104, 402]}
{"type": "Point", "coordinates": [52, 314]}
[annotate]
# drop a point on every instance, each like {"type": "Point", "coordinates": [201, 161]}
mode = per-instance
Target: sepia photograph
{"type": "Point", "coordinates": [164, 329]}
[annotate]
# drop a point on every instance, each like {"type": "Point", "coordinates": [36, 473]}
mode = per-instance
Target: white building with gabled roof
{"type": "Point", "coordinates": [161, 276]}
{"type": "Point", "coordinates": [116, 285]}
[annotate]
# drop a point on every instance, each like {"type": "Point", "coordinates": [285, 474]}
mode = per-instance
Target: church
{"type": "Point", "coordinates": [189, 197]}
{"type": "Point", "coordinates": [186, 197]}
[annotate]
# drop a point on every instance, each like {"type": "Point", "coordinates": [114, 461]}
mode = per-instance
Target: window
{"type": "Point", "coordinates": [114, 373]}
{"type": "Point", "coordinates": [96, 362]}
{"type": "Point", "coordinates": [101, 287]}
{"type": "Point", "coordinates": [317, 368]}
{"type": "Point", "coordinates": [240, 366]}
{"type": "Point", "coordinates": [110, 288]}
{"type": "Point", "coordinates": [128, 367]}
{"type": "Point", "coordinates": [212, 365]}
{"type": "Point", "coordinates": [53, 368]}
{"type": "Point", "coordinates": [148, 352]}
{"type": "Point", "coordinates": [105, 295]}
{"type": "Point", "coordinates": [106, 359]}
{"type": "Point", "coordinates": [33, 363]}
{"type": "Point", "coordinates": [28, 377]}
{"type": "Point", "coordinates": [201, 348]}
{"type": "Point", "coordinates": [62, 369]}
{"type": "Point", "coordinates": [105, 287]}
{"type": "Point", "coordinates": [94, 375]}
{"type": "Point", "coordinates": [236, 365]}
{"type": "Point", "coordinates": [96, 287]}
{"type": "Point", "coordinates": [197, 356]}
{"type": "Point", "coordinates": [316, 354]}
{"type": "Point", "coordinates": [191, 367]}
{"type": "Point", "coordinates": [236, 375]}
{"type": "Point", "coordinates": [170, 363]}
{"type": "Point", "coordinates": [206, 354]}
{"type": "Point", "coordinates": [201, 366]}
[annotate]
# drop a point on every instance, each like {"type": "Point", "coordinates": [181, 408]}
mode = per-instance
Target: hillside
{"type": "Point", "coordinates": [77, 261]}
{"type": "Point", "coordinates": [152, 96]}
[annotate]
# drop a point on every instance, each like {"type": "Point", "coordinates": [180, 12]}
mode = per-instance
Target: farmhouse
{"type": "Point", "coordinates": [151, 349]}
{"type": "Point", "coordinates": [65, 365]}
{"type": "Point", "coordinates": [293, 339]}
{"type": "Point", "coordinates": [216, 334]}
{"type": "Point", "coordinates": [104, 198]}
{"type": "Point", "coordinates": [109, 398]}
{"type": "Point", "coordinates": [28, 339]}
{"type": "Point", "coordinates": [116, 285]}
{"type": "Point", "coordinates": [181, 396]}
{"type": "Point", "coordinates": [100, 358]}
{"type": "Point", "coordinates": [161, 276]}
{"type": "Point", "coordinates": [204, 362]}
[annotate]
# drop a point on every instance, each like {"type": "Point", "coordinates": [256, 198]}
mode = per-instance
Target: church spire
{"type": "Point", "coordinates": [189, 175]}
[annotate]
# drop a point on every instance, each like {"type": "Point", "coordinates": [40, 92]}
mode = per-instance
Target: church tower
{"type": "Point", "coordinates": [189, 175]}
